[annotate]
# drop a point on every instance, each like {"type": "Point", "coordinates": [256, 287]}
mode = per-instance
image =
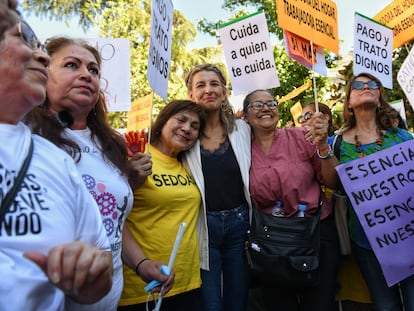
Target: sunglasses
{"type": "Point", "coordinates": [29, 37]}
{"type": "Point", "coordinates": [259, 105]}
{"type": "Point", "coordinates": [359, 85]}
{"type": "Point", "coordinates": [305, 117]}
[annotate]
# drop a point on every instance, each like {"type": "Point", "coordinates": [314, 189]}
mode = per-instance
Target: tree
{"type": "Point", "coordinates": [131, 19]}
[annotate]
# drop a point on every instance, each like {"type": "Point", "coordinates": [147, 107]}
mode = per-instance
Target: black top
{"type": "Point", "coordinates": [222, 178]}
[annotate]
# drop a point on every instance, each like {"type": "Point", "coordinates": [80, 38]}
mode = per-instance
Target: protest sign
{"type": "Point", "coordinates": [296, 111]}
{"type": "Point", "coordinates": [399, 106]}
{"type": "Point", "coordinates": [305, 53]}
{"type": "Point", "coordinates": [316, 21]}
{"type": "Point", "coordinates": [398, 15]}
{"type": "Point", "coordinates": [159, 54]}
{"type": "Point", "coordinates": [373, 49]}
{"type": "Point", "coordinates": [249, 54]}
{"type": "Point", "coordinates": [139, 117]}
{"type": "Point", "coordinates": [405, 77]}
{"type": "Point", "coordinates": [115, 71]}
{"type": "Point", "coordinates": [380, 188]}
{"type": "Point", "coordinates": [296, 92]}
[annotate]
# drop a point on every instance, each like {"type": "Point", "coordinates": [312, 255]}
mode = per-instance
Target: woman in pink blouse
{"type": "Point", "coordinates": [286, 167]}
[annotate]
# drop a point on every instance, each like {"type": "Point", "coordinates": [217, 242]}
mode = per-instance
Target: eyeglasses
{"type": "Point", "coordinates": [359, 85]}
{"type": "Point", "coordinates": [29, 37]}
{"type": "Point", "coordinates": [259, 105]}
{"type": "Point", "coordinates": [305, 117]}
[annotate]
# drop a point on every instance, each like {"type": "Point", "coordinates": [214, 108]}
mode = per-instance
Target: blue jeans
{"type": "Point", "coordinates": [384, 298]}
{"type": "Point", "coordinates": [225, 285]}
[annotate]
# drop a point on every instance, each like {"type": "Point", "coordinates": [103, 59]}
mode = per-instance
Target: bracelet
{"type": "Point", "coordinates": [138, 264]}
{"type": "Point", "coordinates": [327, 156]}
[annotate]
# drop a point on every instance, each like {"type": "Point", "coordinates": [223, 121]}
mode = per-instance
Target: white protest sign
{"type": "Point", "coordinates": [159, 55]}
{"type": "Point", "coordinates": [115, 71]}
{"type": "Point", "coordinates": [405, 77]}
{"type": "Point", "coordinates": [373, 44]}
{"type": "Point", "coordinates": [399, 106]}
{"type": "Point", "coordinates": [381, 190]}
{"type": "Point", "coordinates": [249, 54]}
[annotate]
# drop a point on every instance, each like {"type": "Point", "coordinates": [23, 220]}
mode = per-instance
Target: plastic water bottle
{"type": "Point", "coordinates": [301, 210]}
{"type": "Point", "coordinates": [277, 210]}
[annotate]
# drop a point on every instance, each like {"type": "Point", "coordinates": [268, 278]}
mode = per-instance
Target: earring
{"type": "Point", "coordinates": [224, 106]}
{"type": "Point", "coordinates": [351, 111]}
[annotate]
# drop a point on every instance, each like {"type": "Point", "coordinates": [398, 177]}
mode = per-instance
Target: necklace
{"type": "Point", "coordinates": [358, 145]}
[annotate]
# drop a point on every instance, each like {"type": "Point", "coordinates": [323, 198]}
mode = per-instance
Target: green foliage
{"type": "Point", "coordinates": [131, 19]}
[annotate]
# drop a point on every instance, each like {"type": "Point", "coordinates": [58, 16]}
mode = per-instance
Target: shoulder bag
{"type": "Point", "coordinates": [284, 250]}
{"type": "Point", "coordinates": [8, 199]}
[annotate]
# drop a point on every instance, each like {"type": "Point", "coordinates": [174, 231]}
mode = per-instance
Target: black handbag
{"type": "Point", "coordinates": [284, 250]}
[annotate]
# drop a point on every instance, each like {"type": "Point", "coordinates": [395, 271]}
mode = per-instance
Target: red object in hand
{"type": "Point", "coordinates": [135, 142]}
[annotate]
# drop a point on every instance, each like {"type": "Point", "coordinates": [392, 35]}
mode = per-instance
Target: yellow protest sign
{"type": "Point", "coordinates": [399, 15]}
{"type": "Point", "coordinates": [296, 111]}
{"type": "Point", "coordinates": [315, 20]}
{"type": "Point", "coordinates": [139, 117]}
{"type": "Point", "coordinates": [295, 92]}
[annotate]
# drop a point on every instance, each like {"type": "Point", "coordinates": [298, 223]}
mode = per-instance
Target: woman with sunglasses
{"type": "Point", "coordinates": [285, 167]}
{"type": "Point", "coordinates": [53, 246]}
{"type": "Point", "coordinates": [368, 128]}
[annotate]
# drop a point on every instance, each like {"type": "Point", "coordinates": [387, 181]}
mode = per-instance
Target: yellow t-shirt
{"type": "Point", "coordinates": [167, 198]}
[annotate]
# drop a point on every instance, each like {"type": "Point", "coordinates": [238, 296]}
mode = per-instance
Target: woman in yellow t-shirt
{"type": "Point", "coordinates": [167, 197]}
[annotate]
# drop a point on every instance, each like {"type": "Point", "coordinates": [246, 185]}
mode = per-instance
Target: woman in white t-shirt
{"type": "Point", "coordinates": [53, 245]}
{"type": "Point", "coordinates": [74, 117]}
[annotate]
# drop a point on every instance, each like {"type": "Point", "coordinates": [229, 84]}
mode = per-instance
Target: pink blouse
{"type": "Point", "coordinates": [291, 172]}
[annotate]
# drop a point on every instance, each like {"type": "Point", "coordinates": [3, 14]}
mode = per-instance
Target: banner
{"type": "Point", "coordinates": [373, 49]}
{"type": "Point", "coordinates": [296, 92]}
{"type": "Point", "coordinates": [405, 77]}
{"type": "Point", "coordinates": [399, 15]}
{"type": "Point", "coordinates": [381, 190]}
{"type": "Point", "coordinates": [305, 53]}
{"type": "Point", "coordinates": [159, 55]}
{"type": "Point", "coordinates": [316, 21]}
{"type": "Point", "coordinates": [249, 54]}
{"type": "Point", "coordinates": [139, 117]}
{"type": "Point", "coordinates": [115, 71]}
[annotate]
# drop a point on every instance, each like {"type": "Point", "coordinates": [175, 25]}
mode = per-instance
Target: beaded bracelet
{"type": "Point", "coordinates": [138, 264]}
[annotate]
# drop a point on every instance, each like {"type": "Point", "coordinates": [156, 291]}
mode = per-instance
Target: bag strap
{"type": "Point", "coordinates": [337, 146]}
{"type": "Point", "coordinates": [5, 204]}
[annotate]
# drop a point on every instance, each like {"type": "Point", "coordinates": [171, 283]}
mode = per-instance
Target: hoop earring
{"type": "Point", "coordinates": [224, 106]}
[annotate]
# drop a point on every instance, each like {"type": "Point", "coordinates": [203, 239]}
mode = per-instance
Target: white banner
{"type": "Point", "coordinates": [115, 71]}
{"type": "Point", "coordinates": [159, 54]}
{"type": "Point", "coordinates": [249, 54]}
{"type": "Point", "coordinates": [405, 77]}
{"type": "Point", "coordinates": [373, 44]}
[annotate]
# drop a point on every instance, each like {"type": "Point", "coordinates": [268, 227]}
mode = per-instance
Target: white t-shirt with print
{"type": "Point", "coordinates": [114, 197]}
{"type": "Point", "coordinates": [53, 207]}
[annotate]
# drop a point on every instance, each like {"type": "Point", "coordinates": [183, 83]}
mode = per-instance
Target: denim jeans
{"type": "Point", "coordinates": [384, 298]}
{"type": "Point", "coordinates": [225, 285]}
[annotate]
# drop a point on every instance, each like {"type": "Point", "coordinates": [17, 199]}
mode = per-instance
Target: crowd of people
{"type": "Point", "coordinates": [86, 226]}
